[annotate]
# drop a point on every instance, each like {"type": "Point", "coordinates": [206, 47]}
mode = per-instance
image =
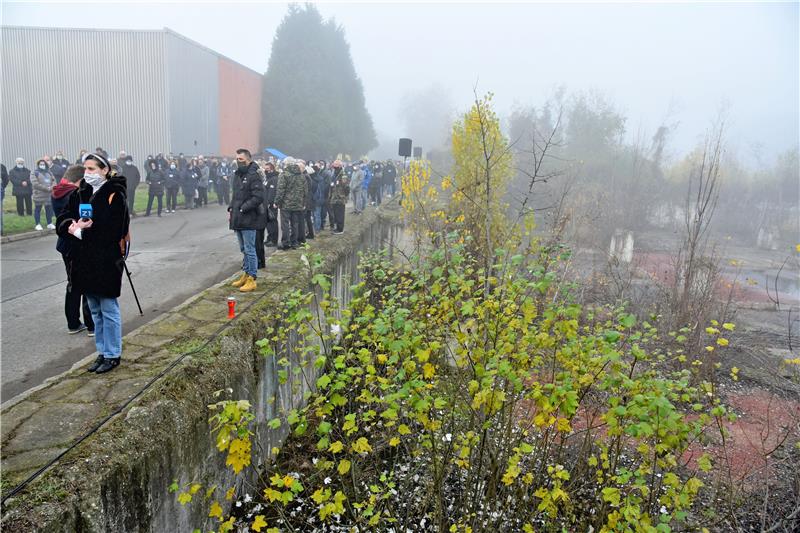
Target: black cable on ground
{"type": "Point", "coordinates": [119, 410]}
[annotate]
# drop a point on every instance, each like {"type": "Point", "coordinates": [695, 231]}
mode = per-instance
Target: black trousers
{"type": "Point", "coordinates": [338, 216]}
{"type": "Point", "coordinates": [150, 197]}
{"type": "Point", "coordinates": [72, 304]}
{"type": "Point", "coordinates": [172, 199]}
{"type": "Point", "coordinates": [188, 199]}
{"type": "Point", "coordinates": [260, 248]}
{"type": "Point", "coordinates": [309, 223]}
{"type": "Point", "coordinates": [292, 228]}
{"type": "Point", "coordinates": [223, 192]}
{"type": "Point", "coordinates": [25, 205]}
{"type": "Point", "coordinates": [131, 192]}
{"type": "Point", "coordinates": [202, 197]}
{"type": "Point", "coordinates": [272, 226]}
{"type": "Point", "coordinates": [331, 221]}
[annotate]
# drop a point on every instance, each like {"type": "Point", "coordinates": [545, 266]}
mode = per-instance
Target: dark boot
{"type": "Point", "coordinates": [97, 362]}
{"type": "Point", "coordinates": [108, 365]}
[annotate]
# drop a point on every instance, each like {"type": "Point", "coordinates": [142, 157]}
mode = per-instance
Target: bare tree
{"type": "Point", "coordinates": [695, 271]}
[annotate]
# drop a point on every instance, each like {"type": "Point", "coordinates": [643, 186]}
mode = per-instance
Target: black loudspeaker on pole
{"type": "Point", "coordinates": [404, 148]}
{"type": "Point", "coordinates": [418, 152]}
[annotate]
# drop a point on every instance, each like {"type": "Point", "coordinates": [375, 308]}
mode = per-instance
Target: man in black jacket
{"type": "Point", "coordinates": [172, 182]}
{"type": "Point", "coordinates": [132, 179]}
{"type": "Point", "coordinates": [21, 187]}
{"type": "Point", "coordinates": [223, 182]}
{"type": "Point", "coordinates": [3, 196]}
{"type": "Point", "coordinates": [60, 166]}
{"type": "Point", "coordinates": [269, 202]}
{"type": "Point", "coordinates": [246, 215]}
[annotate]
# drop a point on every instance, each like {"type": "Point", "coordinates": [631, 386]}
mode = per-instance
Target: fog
{"type": "Point", "coordinates": [654, 62]}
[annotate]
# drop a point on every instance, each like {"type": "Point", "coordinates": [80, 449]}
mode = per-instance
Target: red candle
{"type": "Point", "coordinates": [231, 307]}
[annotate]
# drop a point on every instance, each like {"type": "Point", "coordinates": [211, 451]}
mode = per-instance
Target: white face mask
{"type": "Point", "coordinates": [43, 167]}
{"type": "Point", "coordinates": [20, 165]}
{"type": "Point", "coordinates": [95, 180]}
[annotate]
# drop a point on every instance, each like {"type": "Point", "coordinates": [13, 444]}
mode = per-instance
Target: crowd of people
{"type": "Point", "coordinates": [186, 181]}
{"type": "Point", "coordinates": [271, 203]}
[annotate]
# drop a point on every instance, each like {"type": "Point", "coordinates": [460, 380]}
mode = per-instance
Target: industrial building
{"type": "Point", "coordinates": [142, 91]}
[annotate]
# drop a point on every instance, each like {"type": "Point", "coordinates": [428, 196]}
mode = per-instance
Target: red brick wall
{"type": "Point", "coordinates": [239, 108]}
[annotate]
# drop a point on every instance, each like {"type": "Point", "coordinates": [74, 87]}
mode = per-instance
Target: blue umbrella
{"type": "Point", "coordinates": [277, 153]}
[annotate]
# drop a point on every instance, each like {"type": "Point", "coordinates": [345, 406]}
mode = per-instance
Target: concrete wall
{"type": "Point", "coordinates": [117, 480]}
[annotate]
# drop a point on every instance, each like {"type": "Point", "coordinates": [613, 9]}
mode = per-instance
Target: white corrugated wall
{"type": "Point", "coordinates": [78, 88]}
{"type": "Point", "coordinates": [193, 87]}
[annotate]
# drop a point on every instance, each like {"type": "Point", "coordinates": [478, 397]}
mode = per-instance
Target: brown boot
{"type": "Point", "coordinates": [240, 280]}
{"type": "Point", "coordinates": [249, 285]}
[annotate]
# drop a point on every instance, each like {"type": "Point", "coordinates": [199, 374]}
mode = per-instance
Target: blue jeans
{"type": "Point", "coordinates": [247, 245]}
{"type": "Point", "coordinates": [48, 212]}
{"type": "Point", "coordinates": [107, 325]}
{"type": "Point", "coordinates": [318, 217]}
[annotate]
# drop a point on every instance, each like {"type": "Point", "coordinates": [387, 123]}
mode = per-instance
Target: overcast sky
{"type": "Point", "coordinates": [646, 57]}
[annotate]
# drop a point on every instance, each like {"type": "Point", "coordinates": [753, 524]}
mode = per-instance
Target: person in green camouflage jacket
{"type": "Point", "coordinates": [340, 190]}
{"type": "Point", "coordinates": [290, 198]}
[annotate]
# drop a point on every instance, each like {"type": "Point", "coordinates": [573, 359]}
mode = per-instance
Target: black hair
{"type": "Point", "coordinates": [244, 151]}
{"type": "Point", "coordinates": [102, 161]}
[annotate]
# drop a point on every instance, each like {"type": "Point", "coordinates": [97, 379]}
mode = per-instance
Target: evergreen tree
{"type": "Point", "coordinates": [313, 101]}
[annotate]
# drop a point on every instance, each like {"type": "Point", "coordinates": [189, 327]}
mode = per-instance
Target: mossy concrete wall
{"type": "Point", "coordinates": [117, 480]}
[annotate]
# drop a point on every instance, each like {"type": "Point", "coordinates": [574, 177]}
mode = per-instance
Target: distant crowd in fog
{"type": "Point", "coordinates": [186, 182]}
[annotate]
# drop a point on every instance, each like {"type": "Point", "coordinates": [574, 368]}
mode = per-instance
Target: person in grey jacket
{"type": "Point", "coordinates": [202, 183]}
{"type": "Point", "coordinates": [355, 189]}
{"type": "Point", "coordinates": [42, 181]}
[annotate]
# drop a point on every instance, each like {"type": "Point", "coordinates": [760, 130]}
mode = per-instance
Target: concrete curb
{"type": "Point", "coordinates": [27, 235]}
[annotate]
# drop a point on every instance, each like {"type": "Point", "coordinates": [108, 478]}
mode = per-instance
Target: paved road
{"type": "Point", "coordinates": [172, 258]}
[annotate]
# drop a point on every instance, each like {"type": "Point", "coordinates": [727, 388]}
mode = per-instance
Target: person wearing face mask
{"type": "Point", "coordinates": [270, 188]}
{"type": "Point", "coordinates": [290, 197]}
{"type": "Point", "coordinates": [189, 181]}
{"type": "Point", "coordinates": [81, 155]}
{"type": "Point", "coordinates": [340, 190]}
{"type": "Point", "coordinates": [60, 166]}
{"type": "Point", "coordinates": [224, 172]}
{"type": "Point", "coordinates": [246, 215]}
{"type": "Point", "coordinates": [21, 188]}
{"type": "Point", "coordinates": [172, 182]}
{"type": "Point", "coordinates": [155, 180]}
{"type": "Point", "coordinates": [42, 181]}
{"type": "Point", "coordinates": [97, 248]}
{"type": "Point", "coordinates": [132, 179]}
{"type": "Point", "coordinates": [201, 198]}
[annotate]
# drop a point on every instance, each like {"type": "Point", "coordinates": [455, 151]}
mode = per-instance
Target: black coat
{"type": "Point", "coordinates": [97, 265]}
{"type": "Point", "coordinates": [172, 177]}
{"type": "Point", "coordinates": [132, 175]}
{"type": "Point", "coordinates": [4, 172]}
{"type": "Point", "coordinates": [271, 188]}
{"type": "Point", "coordinates": [17, 176]}
{"type": "Point", "coordinates": [156, 180]}
{"type": "Point", "coordinates": [59, 168]}
{"type": "Point", "coordinates": [247, 209]}
{"type": "Point", "coordinates": [190, 177]}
